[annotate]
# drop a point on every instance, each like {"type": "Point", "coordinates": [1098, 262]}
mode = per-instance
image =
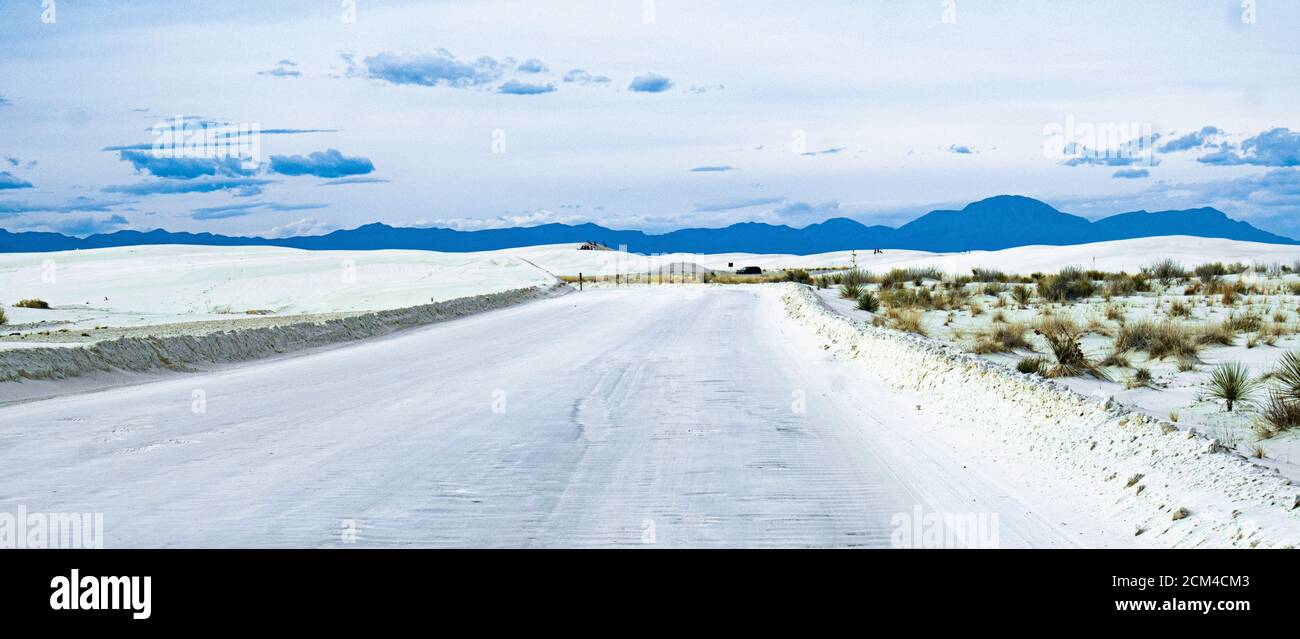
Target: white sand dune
{"type": "Point", "coordinates": [131, 286]}
{"type": "Point", "coordinates": [1126, 255]}
{"type": "Point", "coordinates": [164, 284]}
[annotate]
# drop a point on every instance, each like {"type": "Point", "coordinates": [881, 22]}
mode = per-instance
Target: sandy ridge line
{"type": "Point", "coordinates": [178, 351]}
{"type": "Point", "coordinates": [1116, 462]}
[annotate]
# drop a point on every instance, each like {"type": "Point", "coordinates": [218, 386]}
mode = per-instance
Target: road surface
{"type": "Point", "coordinates": [651, 417]}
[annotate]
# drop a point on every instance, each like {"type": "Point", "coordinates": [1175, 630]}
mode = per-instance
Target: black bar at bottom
{"type": "Point", "coordinates": [193, 586]}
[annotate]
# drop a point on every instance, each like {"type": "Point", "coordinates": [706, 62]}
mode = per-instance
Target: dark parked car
{"type": "Point", "coordinates": [750, 270]}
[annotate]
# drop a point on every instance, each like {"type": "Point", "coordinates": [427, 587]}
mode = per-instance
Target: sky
{"type": "Point", "coordinates": [643, 114]}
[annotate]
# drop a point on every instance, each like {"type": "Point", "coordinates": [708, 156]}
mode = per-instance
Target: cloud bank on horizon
{"type": "Point", "coordinates": [655, 115]}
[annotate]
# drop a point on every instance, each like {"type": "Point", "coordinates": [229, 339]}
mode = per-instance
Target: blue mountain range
{"type": "Point", "coordinates": [1004, 221]}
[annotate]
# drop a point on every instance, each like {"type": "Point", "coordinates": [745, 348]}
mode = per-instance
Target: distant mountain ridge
{"type": "Point", "coordinates": [1003, 221]}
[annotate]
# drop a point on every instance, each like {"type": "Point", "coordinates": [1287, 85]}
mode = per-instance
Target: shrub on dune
{"type": "Point", "coordinates": [33, 303]}
{"type": "Point", "coordinates": [1062, 336]}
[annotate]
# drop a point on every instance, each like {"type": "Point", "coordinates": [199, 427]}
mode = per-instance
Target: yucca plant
{"type": "Point", "coordinates": [1062, 336]}
{"type": "Point", "coordinates": [850, 291]}
{"type": "Point", "coordinates": [1231, 382]}
{"type": "Point", "coordinates": [1288, 374]}
{"type": "Point", "coordinates": [868, 302]}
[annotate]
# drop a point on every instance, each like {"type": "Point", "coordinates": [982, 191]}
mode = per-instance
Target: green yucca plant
{"type": "Point", "coordinates": [868, 302]}
{"type": "Point", "coordinates": [1288, 374]}
{"type": "Point", "coordinates": [1231, 382]}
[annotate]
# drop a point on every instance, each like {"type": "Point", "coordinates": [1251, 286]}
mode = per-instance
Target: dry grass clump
{"type": "Point", "coordinates": [856, 277]}
{"type": "Point", "coordinates": [897, 277]}
{"type": "Point", "coordinates": [1244, 323]}
{"type": "Point", "coordinates": [1279, 415]}
{"type": "Point", "coordinates": [1220, 334]}
{"type": "Point", "coordinates": [4, 319]}
{"type": "Point", "coordinates": [32, 303]}
{"type": "Point", "coordinates": [1141, 378]}
{"type": "Point", "coordinates": [1125, 285]}
{"type": "Point", "coordinates": [1001, 338]}
{"type": "Point", "coordinates": [1157, 340]}
{"type": "Point", "coordinates": [1071, 283]}
{"type": "Point", "coordinates": [1115, 313]}
{"type": "Point", "coordinates": [981, 274]}
{"type": "Point", "coordinates": [906, 320]}
{"type": "Point", "coordinates": [998, 318]}
{"type": "Point", "coordinates": [1062, 336]}
{"type": "Point", "coordinates": [1022, 295]}
{"type": "Point", "coordinates": [1178, 308]}
{"type": "Point", "coordinates": [1032, 365]}
{"type": "Point", "coordinates": [797, 275]}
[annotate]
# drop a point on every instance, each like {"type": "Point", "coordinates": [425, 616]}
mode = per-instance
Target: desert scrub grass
{"type": "Point", "coordinates": [1141, 378]}
{"type": "Point", "coordinates": [1180, 309]}
{"type": "Point", "coordinates": [868, 302]}
{"type": "Point", "coordinates": [1157, 340]}
{"type": "Point", "coordinates": [1232, 383]}
{"type": "Point", "coordinates": [1117, 359]}
{"type": "Point", "coordinates": [797, 275]}
{"type": "Point", "coordinates": [1115, 313]}
{"type": "Point", "coordinates": [1071, 283]}
{"type": "Point", "coordinates": [1001, 338]}
{"type": "Point", "coordinates": [4, 319]}
{"type": "Point", "coordinates": [906, 320]}
{"type": "Point", "coordinates": [32, 303]}
{"type": "Point", "coordinates": [1022, 295]}
{"type": "Point", "coordinates": [1278, 415]}
{"type": "Point", "coordinates": [1062, 336]}
{"type": "Point", "coordinates": [982, 274]}
{"type": "Point", "coordinates": [1210, 273]}
{"type": "Point", "coordinates": [1244, 323]}
{"type": "Point", "coordinates": [850, 291]}
{"type": "Point", "coordinates": [899, 276]}
{"type": "Point", "coordinates": [976, 309]}
{"type": "Point", "coordinates": [1032, 365]}
{"type": "Point", "coordinates": [856, 276]}
{"type": "Point", "coordinates": [1220, 334]}
{"type": "Point", "coordinates": [998, 317]}
{"type": "Point", "coordinates": [1166, 270]}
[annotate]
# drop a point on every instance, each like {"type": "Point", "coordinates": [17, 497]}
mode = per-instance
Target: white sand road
{"type": "Point", "coordinates": [672, 416]}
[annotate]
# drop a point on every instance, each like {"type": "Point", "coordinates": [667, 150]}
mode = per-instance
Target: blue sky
{"type": "Point", "coordinates": [642, 114]}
